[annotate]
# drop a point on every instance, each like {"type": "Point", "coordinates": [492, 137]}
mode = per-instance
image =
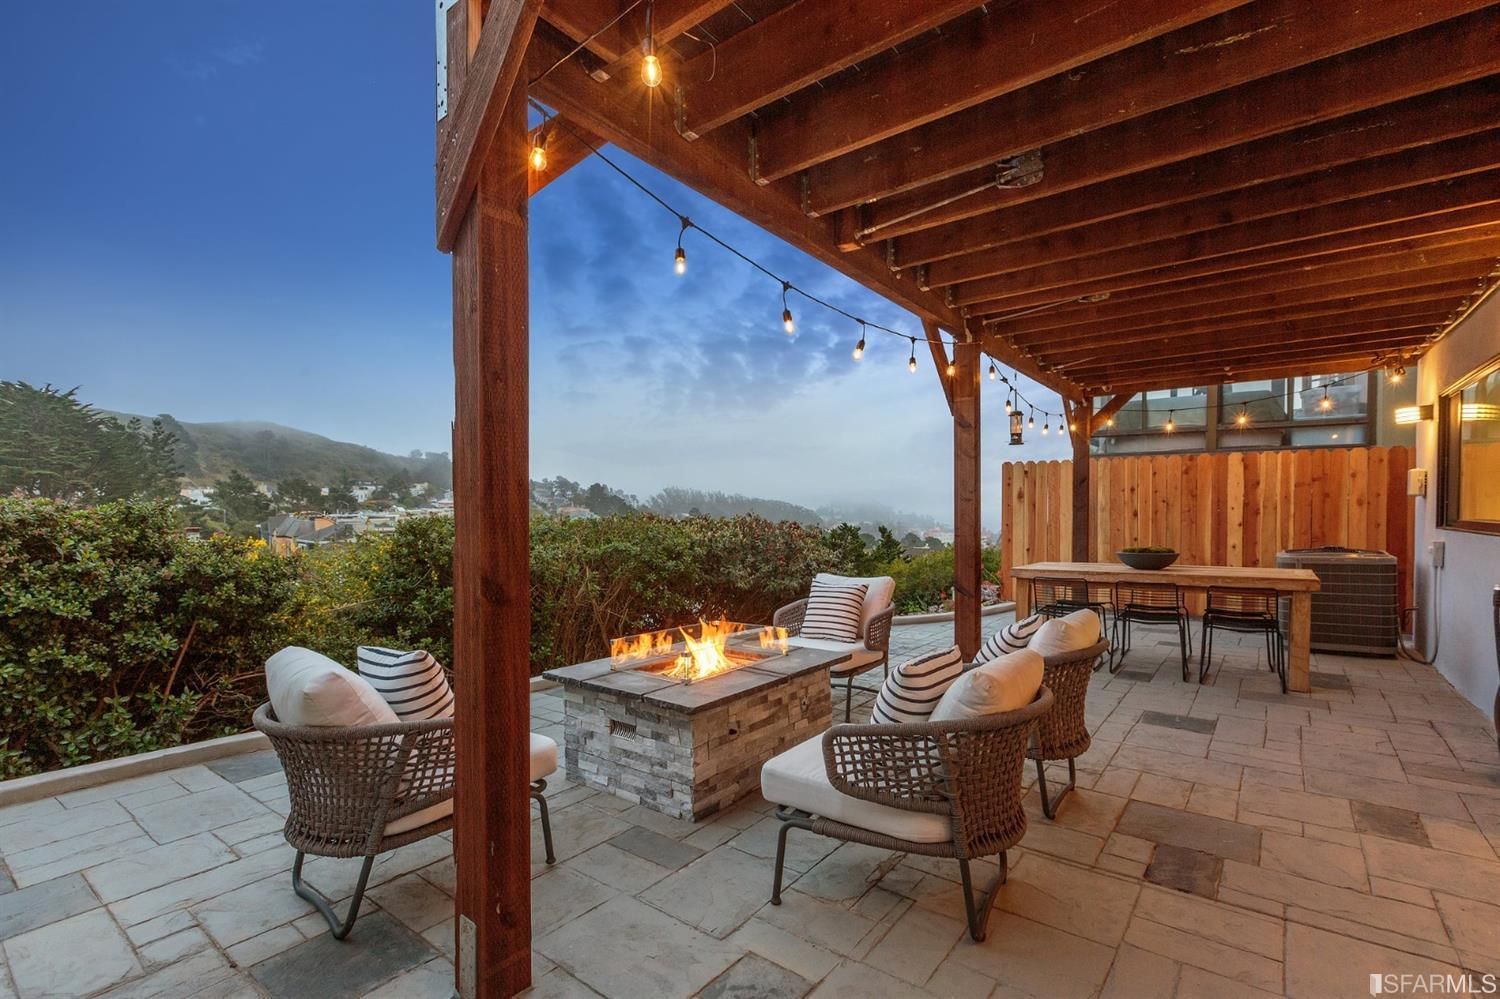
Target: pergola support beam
{"type": "Point", "coordinates": [1080, 417]}
{"type": "Point", "coordinates": [967, 563]}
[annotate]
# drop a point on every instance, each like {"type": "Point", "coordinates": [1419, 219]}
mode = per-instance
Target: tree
{"type": "Point", "coordinates": [297, 494]}
{"type": "Point", "coordinates": [56, 447]}
{"type": "Point", "coordinates": [910, 540]}
{"type": "Point", "coordinates": [888, 548]}
{"type": "Point", "coordinates": [935, 544]}
{"type": "Point", "coordinates": [606, 502]}
{"type": "Point", "coordinates": [849, 550]}
{"type": "Point", "coordinates": [340, 498]}
{"type": "Point", "coordinates": [243, 505]}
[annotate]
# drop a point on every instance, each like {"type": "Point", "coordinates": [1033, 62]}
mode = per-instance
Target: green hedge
{"type": "Point", "coordinates": [118, 635]}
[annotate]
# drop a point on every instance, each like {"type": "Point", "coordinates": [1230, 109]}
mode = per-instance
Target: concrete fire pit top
{"type": "Point", "coordinates": [690, 698]}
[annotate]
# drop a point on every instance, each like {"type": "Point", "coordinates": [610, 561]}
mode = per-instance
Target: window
{"type": "Point", "coordinates": [1469, 453]}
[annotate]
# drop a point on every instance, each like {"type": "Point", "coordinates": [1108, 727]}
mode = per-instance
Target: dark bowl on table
{"type": "Point", "coordinates": [1147, 560]}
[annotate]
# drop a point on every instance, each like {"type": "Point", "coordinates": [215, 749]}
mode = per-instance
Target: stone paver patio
{"type": "Point", "coordinates": [1226, 840]}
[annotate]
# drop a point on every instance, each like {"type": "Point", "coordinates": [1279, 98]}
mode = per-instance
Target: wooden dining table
{"type": "Point", "coordinates": [1296, 584]}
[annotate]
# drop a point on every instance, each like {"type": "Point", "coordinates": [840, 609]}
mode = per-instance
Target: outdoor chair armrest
{"type": "Point", "coordinates": [878, 635]}
{"type": "Point", "coordinates": [790, 616]}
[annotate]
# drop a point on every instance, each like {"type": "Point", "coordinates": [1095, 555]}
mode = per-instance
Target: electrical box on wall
{"type": "Point", "coordinates": [1416, 482]}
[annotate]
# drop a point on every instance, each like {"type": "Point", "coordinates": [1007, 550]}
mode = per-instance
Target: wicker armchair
{"type": "Point", "coordinates": [350, 786]}
{"type": "Point", "coordinates": [1063, 733]}
{"type": "Point", "coordinates": [966, 772]}
{"type": "Point", "coordinates": [877, 639]}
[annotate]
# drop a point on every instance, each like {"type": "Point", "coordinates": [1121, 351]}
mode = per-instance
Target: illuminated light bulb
{"type": "Point", "coordinates": [1031, 422]}
{"type": "Point", "coordinates": [1397, 375]}
{"type": "Point", "coordinates": [1242, 418]}
{"type": "Point", "coordinates": [952, 369]}
{"type": "Point", "coordinates": [1073, 425]}
{"type": "Point", "coordinates": [911, 364]}
{"type": "Point", "coordinates": [538, 156]}
{"type": "Point", "coordinates": [1007, 405]}
{"type": "Point", "coordinates": [993, 373]}
{"type": "Point", "coordinates": [1109, 421]}
{"type": "Point", "coordinates": [786, 321]}
{"type": "Point", "coordinates": [651, 71]}
{"type": "Point", "coordinates": [1171, 424]}
{"type": "Point", "coordinates": [679, 263]}
{"type": "Point", "coordinates": [1046, 427]}
{"type": "Point", "coordinates": [1325, 404]}
{"type": "Point", "coordinates": [859, 349]}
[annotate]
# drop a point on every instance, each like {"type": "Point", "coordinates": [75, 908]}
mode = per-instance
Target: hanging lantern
{"type": "Point", "coordinates": [1015, 427]}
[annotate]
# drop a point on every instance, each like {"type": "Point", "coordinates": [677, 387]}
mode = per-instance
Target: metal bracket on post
{"type": "Point", "coordinates": [755, 160]}
{"type": "Point", "coordinates": [922, 277]}
{"type": "Point", "coordinates": [805, 183]}
{"type": "Point", "coordinates": [1021, 170]}
{"type": "Point", "coordinates": [679, 113]}
{"type": "Point", "coordinates": [467, 968]}
{"type": "Point", "coordinates": [442, 57]}
{"type": "Point", "coordinates": [890, 255]}
{"type": "Point", "coordinates": [949, 297]}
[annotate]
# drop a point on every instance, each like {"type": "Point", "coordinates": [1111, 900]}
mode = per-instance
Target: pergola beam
{"type": "Point", "coordinates": [1246, 44]}
{"type": "Point", "coordinates": [1333, 364]}
{"type": "Point", "coordinates": [794, 48]}
{"type": "Point", "coordinates": [488, 81]}
{"type": "Point", "coordinates": [1453, 228]}
{"type": "Point", "coordinates": [967, 562]}
{"type": "Point", "coordinates": [1012, 47]}
{"type": "Point", "coordinates": [619, 45]}
{"type": "Point", "coordinates": [939, 359]}
{"type": "Point", "coordinates": [1279, 236]}
{"type": "Point", "coordinates": [1106, 412]}
{"type": "Point", "coordinates": [1314, 284]}
{"type": "Point", "coordinates": [1443, 56]}
{"type": "Point", "coordinates": [1294, 200]}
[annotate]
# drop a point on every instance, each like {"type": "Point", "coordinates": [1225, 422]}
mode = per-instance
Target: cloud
{"type": "Point", "coordinates": [210, 63]}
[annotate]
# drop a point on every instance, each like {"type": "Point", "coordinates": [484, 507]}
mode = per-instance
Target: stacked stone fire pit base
{"type": "Point", "coordinates": [689, 750]}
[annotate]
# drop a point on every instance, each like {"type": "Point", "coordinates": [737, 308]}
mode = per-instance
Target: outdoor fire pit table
{"type": "Point", "coordinates": [681, 720]}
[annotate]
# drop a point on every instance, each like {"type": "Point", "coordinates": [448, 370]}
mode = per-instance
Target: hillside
{"type": "Point", "coordinates": [269, 452]}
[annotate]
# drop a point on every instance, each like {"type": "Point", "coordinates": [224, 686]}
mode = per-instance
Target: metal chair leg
{"type": "Point", "coordinates": [1205, 651]}
{"type": "Point", "coordinates": [307, 892]}
{"type": "Point", "coordinates": [537, 787]}
{"type": "Point", "coordinates": [789, 818]}
{"type": "Point", "coordinates": [1049, 805]}
{"type": "Point", "coordinates": [979, 911]}
{"type": "Point", "coordinates": [1182, 648]}
{"type": "Point", "coordinates": [848, 695]}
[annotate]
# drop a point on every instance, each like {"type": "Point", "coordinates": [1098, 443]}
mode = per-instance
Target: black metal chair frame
{"type": "Point", "coordinates": [1062, 607]}
{"type": "Point", "coordinates": [1266, 622]}
{"type": "Point", "coordinates": [1127, 613]}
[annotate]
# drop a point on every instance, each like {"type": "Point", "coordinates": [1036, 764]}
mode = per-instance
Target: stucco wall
{"type": "Point", "coordinates": [1463, 627]}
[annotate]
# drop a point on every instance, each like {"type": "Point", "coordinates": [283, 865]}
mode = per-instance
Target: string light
{"type": "Point", "coordinates": [993, 372]}
{"type": "Point", "coordinates": [679, 260]}
{"type": "Point", "coordinates": [538, 155]}
{"type": "Point", "coordinates": [1007, 404]}
{"type": "Point", "coordinates": [1031, 420]}
{"type": "Point", "coordinates": [786, 310]}
{"type": "Point", "coordinates": [859, 348]}
{"type": "Point", "coordinates": [1046, 427]}
{"type": "Point", "coordinates": [1073, 426]}
{"type": "Point", "coordinates": [1325, 404]}
{"type": "Point", "coordinates": [650, 64]}
{"type": "Point", "coordinates": [1396, 375]}
{"type": "Point", "coordinates": [1171, 425]}
{"type": "Point", "coordinates": [1109, 421]}
{"type": "Point", "coordinates": [1242, 419]}
{"type": "Point", "coordinates": [952, 369]}
{"type": "Point", "coordinates": [911, 362]}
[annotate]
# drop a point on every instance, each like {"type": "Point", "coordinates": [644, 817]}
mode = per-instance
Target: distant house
{"type": "Point", "coordinates": [287, 532]}
{"type": "Point", "coordinates": [576, 512]}
{"type": "Point", "coordinates": [197, 495]}
{"type": "Point", "coordinates": [362, 491]}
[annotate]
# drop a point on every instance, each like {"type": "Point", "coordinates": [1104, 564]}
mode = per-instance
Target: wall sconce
{"type": "Point", "coordinates": [1406, 415]}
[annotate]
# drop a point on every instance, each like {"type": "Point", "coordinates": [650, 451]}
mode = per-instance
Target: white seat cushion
{"type": "Point", "coordinates": [308, 688]}
{"type": "Point", "coordinates": [858, 654]}
{"type": "Point", "coordinates": [798, 779]}
{"type": "Point", "coordinates": [1011, 638]}
{"type": "Point", "coordinates": [913, 689]}
{"type": "Point", "coordinates": [1071, 633]}
{"type": "Point", "coordinates": [412, 683]}
{"type": "Point", "coordinates": [543, 756]}
{"type": "Point", "coordinates": [1004, 684]}
{"type": "Point", "coordinates": [879, 592]}
{"type": "Point", "coordinates": [543, 762]}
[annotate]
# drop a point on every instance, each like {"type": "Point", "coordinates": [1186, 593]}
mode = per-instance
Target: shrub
{"type": "Point", "coordinates": [118, 635]}
{"type": "Point", "coordinates": [925, 582]}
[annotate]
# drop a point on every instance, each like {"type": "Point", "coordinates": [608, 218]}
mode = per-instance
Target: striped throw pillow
{"type": "Point", "coordinates": [1012, 638]}
{"type": "Point", "coordinates": [913, 689]}
{"type": "Point", "coordinates": [834, 611]}
{"type": "Point", "coordinates": [412, 683]}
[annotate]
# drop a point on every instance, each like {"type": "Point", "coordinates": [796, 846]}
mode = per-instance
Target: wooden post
{"type": "Point", "coordinates": [1080, 417]}
{"type": "Point", "coordinates": [967, 567]}
{"type": "Point", "coordinates": [491, 574]}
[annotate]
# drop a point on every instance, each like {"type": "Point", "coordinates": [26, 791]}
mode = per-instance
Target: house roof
{"type": "Point", "coordinates": [1109, 198]}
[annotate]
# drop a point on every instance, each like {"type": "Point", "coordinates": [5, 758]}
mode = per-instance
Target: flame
{"type": "Point", "coordinates": [645, 646]}
{"type": "Point", "coordinates": [705, 653]}
{"type": "Point", "coordinates": [774, 639]}
{"type": "Point", "coordinates": [704, 649]}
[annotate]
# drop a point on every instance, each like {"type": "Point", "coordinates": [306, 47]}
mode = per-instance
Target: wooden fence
{"type": "Point", "coordinates": [1221, 508]}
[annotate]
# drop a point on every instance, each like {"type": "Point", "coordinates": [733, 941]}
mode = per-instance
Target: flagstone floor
{"type": "Point", "coordinates": [1226, 840]}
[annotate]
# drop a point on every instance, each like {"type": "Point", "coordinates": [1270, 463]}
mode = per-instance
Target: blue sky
{"type": "Point", "coordinates": [224, 211]}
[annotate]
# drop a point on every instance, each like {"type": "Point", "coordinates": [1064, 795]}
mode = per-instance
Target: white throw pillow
{"type": "Point", "coordinates": [412, 683]}
{"type": "Point", "coordinates": [834, 611]}
{"type": "Point", "coordinates": [1011, 638]}
{"type": "Point", "coordinates": [308, 688]}
{"type": "Point", "coordinates": [1006, 684]}
{"type": "Point", "coordinates": [880, 591]}
{"type": "Point", "coordinates": [1071, 633]}
{"type": "Point", "coordinates": [913, 689]}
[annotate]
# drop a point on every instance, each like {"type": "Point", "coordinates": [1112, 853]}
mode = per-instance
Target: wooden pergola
{"type": "Point", "coordinates": [1107, 198]}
